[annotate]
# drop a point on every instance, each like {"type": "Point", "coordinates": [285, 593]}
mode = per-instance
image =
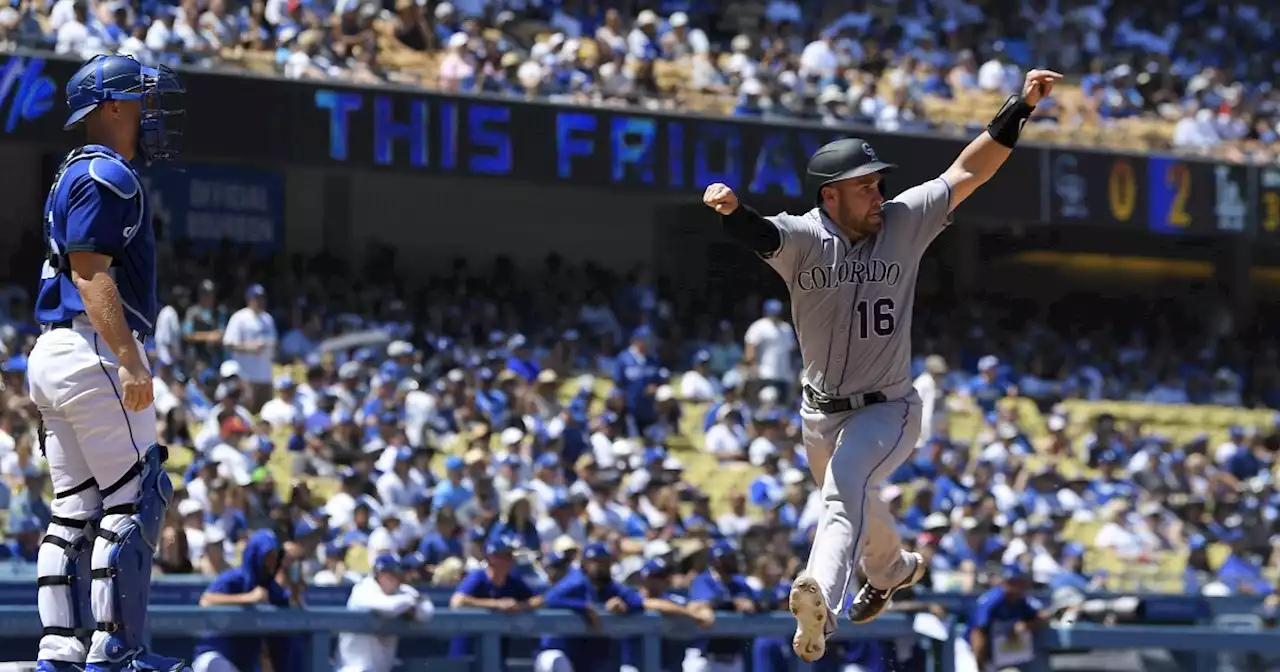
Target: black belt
{"type": "Point", "coordinates": [825, 404]}
{"type": "Point", "coordinates": [70, 324]}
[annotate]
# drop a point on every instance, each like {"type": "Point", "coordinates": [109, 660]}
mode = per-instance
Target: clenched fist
{"type": "Point", "coordinates": [720, 197]}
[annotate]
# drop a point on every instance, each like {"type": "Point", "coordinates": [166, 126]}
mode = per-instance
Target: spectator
{"type": "Point", "coordinates": [253, 582]}
{"type": "Point", "coordinates": [384, 594]}
{"type": "Point", "coordinates": [251, 338]}
{"type": "Point", "coordinates": [770, 348]}
{"type": "Point", "coordinates": [587, 590]}
{"type": "Point", "coordinates": [492, 587]}
{"type": "Point", "coordinates": [1000, 627]}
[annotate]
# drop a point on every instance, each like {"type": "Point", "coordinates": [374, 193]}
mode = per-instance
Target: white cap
{"type": "Point", "coordinates": [1006, 431]}
{"type": "Point", "coordinates": [229, 369]}
{"type": "Point", "coordinates": [672, 464]}
{"type": "Point", "coordinates": [458, 39]}
{"type": "Point", "coordinates": [189, 506]}
{"type": "Point", "coordinates": [647, 18]}
{"type": "Point", "coordinates": [664, 393]}
{"type": "Point", "coordinates": [349, 370]}
{"type": "Point", "coordinates": [456, 375]}
{"type": "Point", "coordinates": [678, 19]}
{"type": "Point", "coordinates": [792, 477]}
{"type": "Point", "coordinates": [511, 436]}
{"type": "Point", "coordinates": [399, 348]}
{"type": "Point", "coordinates": [1057, 423]}
{"type": "Point", "coordinates": [988, 362]}
{"type": "Point", "coordinates": [657, 549]}
{"type": "Point", "coordinates": [740, 43]}
{"type": "Point", "coordinates": [530, 72]}
{"type": "Point", "coordinates": [752, 87]}
{"type": "Point", "coordinates": [213, 535]}
{"type": "Point", "coordinates": [443, 9]}
{"type": "Point", "coordinates": [890, 493]}
{"type": "Point", "coordinates": [936, 521]}
{"type": "Point", "coordinates": [624, 448]}
{"type": "Point", "coordinates": [768, 395]}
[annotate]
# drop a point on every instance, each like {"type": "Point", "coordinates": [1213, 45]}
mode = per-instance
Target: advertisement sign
{"type": "Point", "coordinates": [206, 205]}
{"type": "Point", "coordinates": [246, 119]}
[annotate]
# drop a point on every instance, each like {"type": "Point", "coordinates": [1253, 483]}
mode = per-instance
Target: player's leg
{"type": "Point", "coordinates": [887, 566]}
{"type": "Point", "coordinates": [873, 442]}
{"type": "Point", "coordinates": [815, 620]}
{"type": "Point", "coordinates": [128, 465]}
{"type": "Point", "coordinates": [63, 589]}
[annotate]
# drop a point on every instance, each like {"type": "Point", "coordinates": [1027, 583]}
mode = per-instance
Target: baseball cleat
{"type": "Point", "coordinates": [870, 601]}
{"type": "Point", "coordinates": [810, 609]}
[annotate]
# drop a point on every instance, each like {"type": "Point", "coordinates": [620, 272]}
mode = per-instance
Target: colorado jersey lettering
{"type": "Point", "coordinates": [851, 303]}
{"type": "Point", "coordinates": [97, 205]}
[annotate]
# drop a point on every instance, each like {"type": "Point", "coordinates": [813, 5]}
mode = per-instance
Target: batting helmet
{"type": "Point", "coordinates": [842, 160]}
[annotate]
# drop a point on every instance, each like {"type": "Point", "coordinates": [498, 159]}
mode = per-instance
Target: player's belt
{"type": "Point", "coordinates": [71, 324]}
{"type": "Point", "coordinates": [828, 404]}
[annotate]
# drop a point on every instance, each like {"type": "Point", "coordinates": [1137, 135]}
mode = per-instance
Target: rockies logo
{"type": "Point", "coordinates": [866, 149]}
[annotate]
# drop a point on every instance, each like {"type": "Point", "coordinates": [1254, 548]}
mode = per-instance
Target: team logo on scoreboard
{"type": "Point", "coordinates": [1071, 188]}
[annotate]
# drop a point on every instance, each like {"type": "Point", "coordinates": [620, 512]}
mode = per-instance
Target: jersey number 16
{"type": "Point", "coordinates": [875, 317]}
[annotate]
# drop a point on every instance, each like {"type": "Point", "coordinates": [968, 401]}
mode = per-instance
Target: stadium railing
{"type": "Point", "coordinates": [319, 625]}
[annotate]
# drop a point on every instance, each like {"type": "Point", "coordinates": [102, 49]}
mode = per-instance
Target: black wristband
{"type": "Point", "coordinates": [1007, 124]}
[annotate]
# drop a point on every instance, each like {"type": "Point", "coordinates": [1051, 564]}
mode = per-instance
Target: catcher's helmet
{"type": "Point", "coordinates": [841, 160]}
{"type": "Point", "coordinates": [109, 77]}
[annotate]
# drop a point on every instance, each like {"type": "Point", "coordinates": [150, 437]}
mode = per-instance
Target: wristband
{"type": "Point", "coordinates": [1008, 122]}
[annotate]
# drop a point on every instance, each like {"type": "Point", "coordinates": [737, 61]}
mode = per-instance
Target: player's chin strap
{"type": "Point", "coordinates": [126, 543]}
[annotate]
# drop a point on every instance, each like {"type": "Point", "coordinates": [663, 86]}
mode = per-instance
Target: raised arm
{"type": "Point", "coordinates": [984, 156]}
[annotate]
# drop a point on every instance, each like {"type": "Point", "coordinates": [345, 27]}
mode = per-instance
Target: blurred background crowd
{"type": "Point", "coordinates": [1194, 77]}
{"type": "Point", "coordinates": [558, 406]}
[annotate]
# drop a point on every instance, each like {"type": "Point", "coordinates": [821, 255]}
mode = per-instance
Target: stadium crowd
{"type": "Point", "coordinates": [528, 419]}
{"type": "Point", "coordinates": [1193, 76]}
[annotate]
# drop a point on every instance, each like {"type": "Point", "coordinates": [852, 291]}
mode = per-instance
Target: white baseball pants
{"type": "Point", "coordinates": [861, 449]}
{"type": "Point", "coordinates": [91, 443]}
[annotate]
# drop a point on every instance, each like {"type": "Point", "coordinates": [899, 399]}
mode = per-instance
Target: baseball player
{"type": "Point", "coordinates": [89, 377]}
{"type": "Point", "coordinates": [850, 265]}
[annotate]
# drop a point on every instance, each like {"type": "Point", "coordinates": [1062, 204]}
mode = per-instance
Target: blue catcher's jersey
{"type": "Point", "coordinates": [97, 205]}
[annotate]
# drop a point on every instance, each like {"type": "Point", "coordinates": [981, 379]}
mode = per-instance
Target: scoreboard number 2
{"type": "Point", "coordinates": [1178, 178]}
{"type": "Point", "coordinates": [1122, 191]}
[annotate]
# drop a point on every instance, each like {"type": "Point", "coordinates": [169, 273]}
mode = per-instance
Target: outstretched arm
{"type": "Point", "coordinates": [984, 156]}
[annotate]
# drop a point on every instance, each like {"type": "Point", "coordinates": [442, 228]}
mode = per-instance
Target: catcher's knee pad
{"type": "Point", "coordinates": [61, 594]}
{"type": "Point", "coordinates": [126, 543]}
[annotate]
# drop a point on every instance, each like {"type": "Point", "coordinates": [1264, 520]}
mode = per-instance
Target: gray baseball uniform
{"type": "Point", "coordinates": [851, 305]}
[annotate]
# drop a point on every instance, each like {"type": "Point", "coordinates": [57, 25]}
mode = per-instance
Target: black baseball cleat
{"type": "Point", "coordinates": [870, 601]}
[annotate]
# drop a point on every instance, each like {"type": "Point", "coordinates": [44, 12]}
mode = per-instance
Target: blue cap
{"type": "Point", "coordinates": [414, 560]}
{"type": "Point", "coordinates": [655, 455]}
{"type": "Point", "coordinates": [1073, 550]}
{"type": "Point", "coordinates": [336, 548]}
{"type": "Point", "coordinates": [363, 355]}
{"type": "Point", "coordinates": [285, 382]}
{"type": "Point", "coordinates": [404, 454]}
{"type": "Point", "coordinates": [387, 563]}
{"type": "Point", "coordinates": [516, 342]}
{"type": "Point", "coordinates": [254, 291]}
{"type": "Point", "coordinates": [477, 534]}
{"type": "Point", "coordinates": [555, 558]}
{"type": "Point", "coordinates": [1013, 572]}
{"type": "Point", "coordinates": [772, 307]}
{"type": "Point", "coordinates": [484, 373]}
{"type": "Point", "coordinates": [721, 549]}
{"type": "Point", "coordinates": [296, 444]}
{"type": "Point", "coordinates": [701, 356]}
{"type": "Point", "coordinates": [1197, 542]}
{"type": "Point", "coordinates": [388, 418]}
{"type": "Point", "coordinates": [347, 473]}
{"type": "Point", "coordinates": [596, 551]}
{"type": "Point", "coordinates": [304, 527]}
{"type": "Point", "coordinates": [343, 416]}
{"type": "Point", "coordinates": [609, 417]}
{"type": "Point", "coordinates": [498, 544]}
{"type": "Point", "coordinates": [496, 336]}
{"type": "Point", "coordinates": [655, 567]}
{"type": "Point", "coordinates": [548, 461]}
{"type": "Point", "coordinates": [558, 501]}
{"type": "Point", "coordinates": [641, 333]}
{"type": "Point", "coordinates": [454, 462]}
{"type": "Point", "coordinates": [569, 335]}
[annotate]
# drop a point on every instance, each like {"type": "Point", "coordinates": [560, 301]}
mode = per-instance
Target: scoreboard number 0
{"type": "Point", "coordinates": [1122, 191]}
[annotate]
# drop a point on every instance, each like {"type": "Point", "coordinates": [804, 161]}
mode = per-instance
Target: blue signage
{"type": "Point", "coordinates": [206, 205]}
{"type": "Point", "coordinates": [26, 92]}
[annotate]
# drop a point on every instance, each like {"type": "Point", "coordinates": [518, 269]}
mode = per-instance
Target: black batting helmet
{"type": "Point", "coordinates": [841, 160]}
